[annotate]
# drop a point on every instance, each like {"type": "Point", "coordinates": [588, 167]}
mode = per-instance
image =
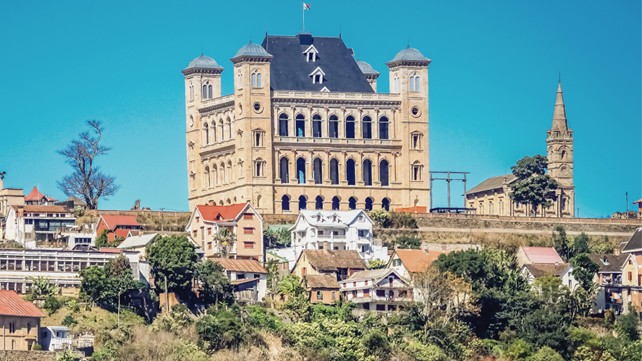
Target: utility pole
{"type": "Point", "coordinates": [627, 204]}
{"type": "Point", "coordinates": [166, 296]}
{"type": "Point", "coordinates": [162, 219]}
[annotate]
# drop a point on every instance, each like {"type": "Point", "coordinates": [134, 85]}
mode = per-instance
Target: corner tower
{"type": "Point", "coordinates": [559, 143]}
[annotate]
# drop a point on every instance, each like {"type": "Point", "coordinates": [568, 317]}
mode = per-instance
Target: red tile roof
{"type": "Point", "coordinates": [542, 255]}
{"type": "Point", "coordinates": [114, 221]}
{"type": "Point", "coordinates": [35, 195]}
{"type": "Point", "coordinates": [221, 213]}
{"type": "Point", "coordinates": [45, 209]}
{"type": "Point", "coordinates": [13, 305]}
{"type": "Point", "coordinates": [417, 260]}
{"type": "Point", "coordinates": [240, 265]}
{"type": "Point", "coordinates": [109, 250]}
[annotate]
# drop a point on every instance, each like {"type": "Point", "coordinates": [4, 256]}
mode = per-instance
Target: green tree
{"type": "Point", "coordinates": [407, 242]}
{"type": "Point", "coordinates": [215, 286]}
{"type": "Point", "coordinates": [546, 354]}
{"type": "Point", "coordinates": [380, 217]}
{"type": "Point", "coordinates": [296, 297]}
{"type": "Point", "coordinates": [173, 257]}
{"type": "Point", "coordinates": [377, 264]}
{"type": "Point", "coordinates": [106, 286]}
{"type": "Point", "coordinates": [533, 186]}
{"type": "Point", "coordinates": [42, 288]}
{"type": "Point", "coordinates": [602, 245]}
{"type": "Point", "coordinates": [627, 326]}
{"type": "Point", "coordinates": [561, 243]}
{"type": "Point", "coordinates": [102, 240]}
{"type": "Point", "coordinates": [221, 328]}
{"type": "Point", "coordinates": [225, 240]}
{"type": "Point", "coordinates": [584, 269]}
{"type": "Point", "coordinates": [581, 244]}
{"type": "Point", "coordinates": [278, 238]}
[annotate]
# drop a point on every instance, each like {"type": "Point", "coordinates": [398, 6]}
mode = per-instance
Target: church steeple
{"type": "Point", "coordinates": [559, 115]}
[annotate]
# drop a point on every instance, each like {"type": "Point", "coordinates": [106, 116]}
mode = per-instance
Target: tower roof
{"type": "Point", "coordinates": [366, 68]}
{"type": "Point", "coordinates": [202, 63]}
{"type": "Point", "coordinates": [559, 114]}
{"type": "Point", "coordinates": [411, 55]}
{"type": "Point", "coordinates": [251, 50]}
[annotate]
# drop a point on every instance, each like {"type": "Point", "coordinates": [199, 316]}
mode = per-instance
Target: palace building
{"type": "Point", "coordinates": [305, 128]}
{"type": "Point", "coordinates": [492, 196]}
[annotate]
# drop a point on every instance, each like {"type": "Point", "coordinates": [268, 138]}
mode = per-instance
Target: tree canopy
{"type": "Point", "coordinates": [173, 257]}
{"type": "Point", "coordinates": [215, 287]}
{"type": "Point", "coordinates": [104, 285]}
{"type": "Point", "coordinates": [533, 186]}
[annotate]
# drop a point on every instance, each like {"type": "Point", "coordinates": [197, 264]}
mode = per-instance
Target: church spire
{"type": "Point", "coordinates": [559, 115]}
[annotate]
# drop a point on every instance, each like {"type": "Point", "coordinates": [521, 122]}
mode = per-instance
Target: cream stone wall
{"type": "Point", "coordinates": [234, 147]}
{"type": "Point", "coordinates": [25, 332]}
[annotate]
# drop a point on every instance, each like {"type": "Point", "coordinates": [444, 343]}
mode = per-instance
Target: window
{"type": "Point", "coordinates": [257, 80]}
{"type": "Point", "coordinates": [396, 84]}
{"type": "Point", "coordinates": [317, 171]}
{"type": "Point", "coordinates": [352, 203]}
{"type": "Point", "coordinates": [191, 92]}
{"type": "Point", "coordinates": [206, 92]}
{"type": "Point", "coordinates": [248, 244]}
{"type": "Point", "coordinates": [396, 262]}
{"type": "Point", "coordinates": [385, 204]}
{"type": "Point", "coordinates": [12, 327]}
{"type": "Point", "coordinates": [300, 125]}
{"type": "Point", "coordinates": [414, 82]}
{"type": "Point", "coordinates": [229, 128]}
{"type": "Point", "coordinates": [335, 203]}
{"type": "Point", "coordinates": [319, 295]}
{"type": "Point", "coordinates": [366, 292]}
{"type": "Point", "coordinates": [248, 230]}
{"type": "Point", "coordinates": [415, 140]}
{"type": "Point", "coordinates": [316, 126]}
{"type": "Point", "coordinates": [416, 171]}
{"type": "Point", "coordinates": [630, 276]}
{"type": "Point", "coordinates": [206, 134]}
{"type": "Point", "coordinates": [195, 233]}
{"type": "Point", "coordinates": [284, 172]}
{"type": "Point", "coordinates": [367, 172]}
{"type": "Point", "coordinates": [258, 138]}
{"type": "Point", "coordinates": [207, 181]}
{"type": "Point", "coordinates": [285, 202]}
{"type": "Point", "coordinates": [333, 127]}
{"type": "Point", "coordinates": [259, 168]}
{"type": "Point", "coordinates": [209, 230]}
{"type": "Point", "coordinates": [317, 76]}
{"type": "Point", "coordinates": [334, 295]}
{"type": "Point", "coordinates": [334, 171]}
{"type": "Point", "coordinates": [283, 125]}
{"type": "Point", "coordinates": [383, 128]}
{"type": "Point", "coordinates": [300, 170]}
{"type": "Point", "coordinates": [369, 202]}
{"type": "Point", "coordinates": [350, 172]}
{"type": "Point", "coordinates": [257, 107]}
{"type": "Point", "coordinates": [303, 202]}
{"type": "Point", "coordinates": [350, 127]}
{"type": "Point", "coordinates": [383, 172]}
{"type": "Point", "coordinates": [366, 129]}
{"type": "Point", "coordinates": [318, 202]}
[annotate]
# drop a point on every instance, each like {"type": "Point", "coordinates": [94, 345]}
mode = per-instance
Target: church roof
{"type": "Point", "coordinates": [409, 55]}
{"type": "Point", "coordinates": [366, 68]}
{"type": "Point", "coordinates": [202, 62]}
{"type": "Point", "coordinates": [251, 50]}
{"type": "Point", "coordinates": [492, 183]}
{"type": "Point", "coordinates": [559, 114]}
{"type": "Point", "coordinates": [290, 69]}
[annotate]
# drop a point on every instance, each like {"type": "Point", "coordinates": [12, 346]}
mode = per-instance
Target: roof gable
{"type": "Point", "coordinates": [289, 68]}
{"type": "Point", "coordinates": [112, 221]}
{"type": "Point", "coordinates": [240, 265]}
{"type": "Point", "coordinates": [492, 183]}
{"type": "Point", "coordinates": [542, 255]}
{"type": "Point", "coordinates": [11, 304]}
{"type": "Point", "coordinates": [541, 270]}
{"type": "Point", "coordinates": [416, 260]}
{"type": "Point", "coordinates": [609, 263]}
{"type": "Point", "coordinates": [226, 213]}
{"type": "Point", "coordinates": [36, 195]}
{"type": "Point", "coordinates": [634, 244]}
{"type": "Point", "coordinates": [326, 260]}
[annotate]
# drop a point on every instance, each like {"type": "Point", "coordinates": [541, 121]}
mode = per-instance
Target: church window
{"type": "Point", "coordinates": [367, 127]}
{"type": "Point", "coordinates": [350, 172]}
{"type": "Point", "coordinates": [352, 203]}
{"type": "Point", "coordinates": [333, 130]}
{"type": "Point", "coordinates": [300, 125]}
{"type": "Point", "coordinates": [285, 202]}
{"type": "Point", "coordinates": [335, 203]}
{"type": "Point", "coordinates": [317, 171]}
{"type": "Point", "coordinates": [383, 172]}
{"type": "Point", "coordinates": [383, 128]}
{"type": "Point", "coordinates": [259, 168]}
{"type": "Point", "coordinates": [206, 134]}
{"type": "Point", "coordinates": [257, 80]}
{"type": "Point", "coordinates": [415, 140]}
{"type": "Point", "coordinates": [259, 135]}
{"type": "Point", "coordinates": [367, 172]}
{"type": "Point", "coordinates": [414, 83]}
{"type": "Point", "coordinates": [223, 174]}
{"type": "Point", "coordinates": [207, 90]}
{"type": "Point", "coordinates": [318, 202]}
{"type": "Point", "coordinates": [206, 178]}
{"type": "Point", "coordinates": [501, 207]}
{"type": "Point", "coordinates": [385, 204]}
{"type": "Point", "coordinates": [303, 202]}
{"type": "Point", "coordinates": [283, 125]}
{"type": "Point", "coordinates": [416, 171]}
{"type": "Point", "coordinates": [300, 170]}
{"type": "Point", "coordinates": [369, 202]}
{"type": "Point", "coordinates": [414, 111]}
{"type": "Point", "coordinates": [215, 174]}
{"type": "Point", "coordinates": [350, 127]}
{"type": "Point", "coordinates": [257, 107]}
{"type": "Point", "coordinates": [316, 126]}
{"type": "Point", "coordinates": [334, 171]}
{"type": "Point", "coordinates": [229, 128]}
{"type": "Point", "coordinates": [490, 207]}
{"type": "Point", "coordinates": [284, 171]}
{"type": "Point", "coordinates": [221, 129]}
{"type": "Point", "coordinates": [563, 154]}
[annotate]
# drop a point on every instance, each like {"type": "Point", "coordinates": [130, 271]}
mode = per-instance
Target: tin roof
{"type": "Point", "coordinates": [240, 265]}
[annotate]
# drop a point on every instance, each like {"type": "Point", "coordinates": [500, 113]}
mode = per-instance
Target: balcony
{"type": "Point", "coordinates": [338, 141]}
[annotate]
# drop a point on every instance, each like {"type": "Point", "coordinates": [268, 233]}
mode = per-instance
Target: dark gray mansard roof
{"type": "Point", "coordinates": [291, 71]}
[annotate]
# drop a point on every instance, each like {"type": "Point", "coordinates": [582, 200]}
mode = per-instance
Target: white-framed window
{"type": "Point", "coordinates": [257, 80]}
{"type": "Point", "coordinates": [416, 171]}
{"type": "Point", "coordinates": [415, 83]}
{"type": "Point", "coordinates": [311, 54]}
{"type": "Point", "coordinates": [259, 168]}
{"type": "Point", "coordinates": [416, 139]}
{"type": "Point", "coordinates": [258, 136]}
{"type": "Point", "coordinates": [317, 76]}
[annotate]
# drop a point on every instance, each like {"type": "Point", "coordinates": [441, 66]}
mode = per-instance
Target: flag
{"type": "Point", "coordinates": [306, 6]}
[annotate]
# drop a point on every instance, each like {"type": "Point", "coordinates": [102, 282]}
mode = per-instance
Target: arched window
{"type": "Point", "coordinates": [336, 202]}
{"type": "Point", "coordinates": [383, 173]}
{"type": "Point", "coordinates": [229, 128]}
{"type": "Point", "coordinates": [206, 134]}
{"type": "Point", "coordinates": [411, 83]}
{"type": "Point", "coordinates": [209, 92]}
{"type": "Point", "coordinates": [259, 80]}
{"type": "Point", "coordinates": [213, 133]}
{"type": "Point", "coordinates": [333, 127]}
{"type": "Point", "coordinates": [230, 172]}
{"type": "Point", "coordinates": [417, 83]}
{"type": "Point", "coordinates": [334, 171]}
{"type": "Point", "coordinates": [285, 202]}
{"type": "Point", "coordinates": [300, 170]}
{"type": "Point", "coordinates": [416, 171]}
{"type": "Point", "coordinates": [303, 202]}
{"type": "Point", "coordinates": [396, 84]}
{"type": "Point", "coordinates": [563, 154]}
{"type": "Point", "coordinates": [501, 207]}
{"type": "Point", "coordinates": [223, 175]}
{"type": "Point", "coordinates": [258, 201]}
{"type": "Point", "coordinates": [350, 127]}
{"type": "Point", "coordinates": [204, 91]}
{"type": "Point", "coordinates": [259, 167]}
{"type": "Point", "coordinates": [366, 127]}
{"type": "Point", "coordinates": [316, 126]}
{"type": "Point", "coordinates": [385, 204]}
{"type": "Point", "coordinates": [415, 140]}
{"type": "Point", "coordinates": [207, 181]}
{"type": "Point", "coordinates": [253, 76]}
{"type": "Point", "coordinates": [221, 130]}
{"type": "Point", "coordinates": [300, 125]}
{"type": "Point", "coordinates": [352, 203]}
{"type": "Point", "coordinates": [283, 125]}
{"type": "Point", "coordinates": [369, 202]}
{"type": "Point", "coordinates": [284, 170]}
{"type": "Point", "coordinates": [383, 128]}
{"type": "Point", "coordinates": [215, 174]}
{"type": "Point", "coordinates": [318, 202]}
{"type": "Point", "coordinates": [191, 92]}
{"type": "Point", "coordinates": [259, 134]}
{"type": "Point", "coordinates": [317, 171]}
{"type": "Point", "coordinates": [350, 172]}
{"type": "Point", "coordinates": [367, 172]}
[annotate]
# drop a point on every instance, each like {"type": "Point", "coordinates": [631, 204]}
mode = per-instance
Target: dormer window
{"type": "Point", "coordinates": [318, 76]}
{"type": "Point", "coordinates": [311, 54]}
{"type": "Point", "coordinates": [325, 90]}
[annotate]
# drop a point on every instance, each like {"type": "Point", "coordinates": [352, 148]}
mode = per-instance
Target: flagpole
{"type": "Point", "coordinates": [303, 16]}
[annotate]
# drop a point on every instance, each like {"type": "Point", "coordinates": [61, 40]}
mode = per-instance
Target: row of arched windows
{"type": "Point", "coordinates": [332, 130]}
{"type": "Point", "coordinates": [414, 83]}
{"type": "Point", "coordinates": [218, 174]}
{"type": "Point", "coordinates": [213, 133]}
{"type": "Point", "coordinates": [257, 80]}
{"type": "Point", "coordinates": [350, 171]}
{"type": "Point", "coordinates": [206, 92]}
{"type": "Point", "coordinates": [335, 204]}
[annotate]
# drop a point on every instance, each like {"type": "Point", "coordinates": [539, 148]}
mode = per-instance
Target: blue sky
{"type": "Point", "coordinates": [492, 83]}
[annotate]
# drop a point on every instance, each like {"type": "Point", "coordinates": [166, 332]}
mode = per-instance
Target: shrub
{"type": "Point", "coordinates": [69, 321]}
{"type": "Point", "coordinates": [546, 354]}
{"type": "Point", "coordinates": [424, 352]}
{"type": "Point", "coordinates": [381, 217]}
{"type": "Point", "coordinates": [402, 220]}
{"type": "Point", "coordinates": [52, 305]}
{"type": "Point", "coordinates": [407, 242]}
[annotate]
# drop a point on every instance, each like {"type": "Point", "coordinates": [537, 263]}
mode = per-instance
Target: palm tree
{"type": "Point", "coordinates": [225, 240]}
{"type": "Point", "coordinates": [41, 288]}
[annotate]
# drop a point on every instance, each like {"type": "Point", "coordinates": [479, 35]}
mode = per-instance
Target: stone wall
{"type": "Point", "coordinates": [27, 356]}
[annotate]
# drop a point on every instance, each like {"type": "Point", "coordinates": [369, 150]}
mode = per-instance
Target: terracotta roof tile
{"type": "Point", "coordinates": [542, 255]}
{"type": "Point", "coordinates": [114, 221]}
{"type": "Point", "coordinates": [321, 281]}
{"type": "Point", "coordinates": [326, 260]}
{"type": "Point", "coordinates": [11, 304]}
{"type": "Point", "coordinates": [220, 213]}
{"type": "Point", "coordinates": [240, 265]}
{"type": "Point", "coordinates": [35, 195]}
{"type": "Point", "coordinates": [417, 260]}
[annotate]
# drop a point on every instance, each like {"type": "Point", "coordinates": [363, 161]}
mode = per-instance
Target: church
{"type": "Point", "coordinates": [305, 128]}
{"type": "Point", "coordinates": [492, 196]}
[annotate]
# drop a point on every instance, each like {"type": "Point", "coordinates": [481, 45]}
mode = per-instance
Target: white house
{"type": "Point", "coordinates": [55, 338]}
{"type": "Point", "coordinates": [247, 276]}
{"type": "Point", "coordinates": [336, 231]}
{"type": "Point", "coordinates": [562, 270]}
{"type": "Point", "coordinates": [30, 224]}
{"type": "Point", "coordinates": [377, 290]}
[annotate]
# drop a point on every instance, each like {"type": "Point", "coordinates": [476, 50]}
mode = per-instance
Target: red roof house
{"type": "Point", "coordinates": [35, 197]}
{"type": "Point", "coordinates": [117, 226]}
{"type": "Point", "coordinates": [11, 304]}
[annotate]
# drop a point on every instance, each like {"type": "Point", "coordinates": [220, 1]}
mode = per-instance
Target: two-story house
{"type": "Point", "coordinates": [247, 276]}
{"type": "Point", "coordinates": [19, 322]}
{"type": "Point", "coordinates": [377, 290]}
{"type": "Point", "coordinates": [32, 224]}
{"type": "Point", "coordinates": [609, 280]}
{"type": "Point", "coordinates": [240, 221]}
{"type": "Point", "coordinates": [121, 226]}
{"type": "Point", "coordinates": [336, 231]}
